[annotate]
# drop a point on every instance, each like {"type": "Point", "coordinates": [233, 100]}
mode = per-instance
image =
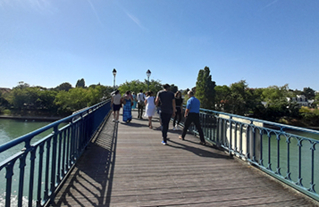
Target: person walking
{"type": "Point", "coordinates": [140, 104]}
{"type": "Point", "coordinates": [179, 104]}
{"type": "Point", "coordinates": [192, 116]}
{"type": "Point", "coordinates": [134, 100]}
{"type": "Point", "coordinates": [167, 100]}
{"type": "Point", "coordinates": [150, 108]}
{"type": "Point", "coordinates": [116, 105]}
{"type": "Point", "coordinates": [127, 107]}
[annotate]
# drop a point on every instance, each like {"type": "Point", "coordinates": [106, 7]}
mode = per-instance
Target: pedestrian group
{"type": "Point", "coordinates": [166, 103]}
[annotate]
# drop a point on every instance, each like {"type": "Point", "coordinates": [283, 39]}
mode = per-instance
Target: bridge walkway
{"type": "Point", "coordinates": [126, 165]}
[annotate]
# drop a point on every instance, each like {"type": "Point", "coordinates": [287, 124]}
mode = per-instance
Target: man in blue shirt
{"type": "Point", "coordinates": [192, 115]}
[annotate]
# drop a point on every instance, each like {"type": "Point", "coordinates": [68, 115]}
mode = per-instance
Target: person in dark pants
{"type": "Point", "coordinates": [167, 109]}
{"type": "Point", "coordinates": [192, 116]}
{"type": "Point", "coordinates": [140, 104]}
{"type": "Point", "coordinates": [179, 106]}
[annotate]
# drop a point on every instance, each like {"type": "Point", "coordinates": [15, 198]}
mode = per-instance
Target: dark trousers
{"type": "Point", "coordinates": [177, 114]}
{"type": "Point", "coordinates": [140, 110]}
{"type": "Point", "coordinates": [165, 122]}
{"type": "Point", "coordinates": [193, 118]}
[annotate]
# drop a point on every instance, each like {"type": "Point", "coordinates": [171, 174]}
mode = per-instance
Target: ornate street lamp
{"type": "Point", "coordinates": [148, 73]}
{"type": "Point", "coordinates": [114, 73]}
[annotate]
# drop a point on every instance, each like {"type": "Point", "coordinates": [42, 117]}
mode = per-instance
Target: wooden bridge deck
{"type": "Point", "coordinates": [128, 166]}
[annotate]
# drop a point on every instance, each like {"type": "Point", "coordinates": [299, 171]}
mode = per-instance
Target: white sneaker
{"type": "Point", "coordinates": [174, 128]}
{"type": "Point", "coordinates": [113, 120]}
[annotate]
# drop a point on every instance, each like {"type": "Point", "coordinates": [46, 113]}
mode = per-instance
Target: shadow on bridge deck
{"type": "Point", "coordinates": [128, 166]}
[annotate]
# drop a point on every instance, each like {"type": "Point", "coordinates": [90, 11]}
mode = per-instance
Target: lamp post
{"type": "Point", "coordinates": [148, 73]}
{"type": "Point", "coordinates": [114, 74]}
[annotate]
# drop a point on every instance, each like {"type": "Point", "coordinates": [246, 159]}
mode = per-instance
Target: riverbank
{"type": "Point", "coordinates": [31, 118]}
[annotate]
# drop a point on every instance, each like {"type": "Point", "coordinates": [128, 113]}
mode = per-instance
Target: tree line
{"type": "Point", "coordinates": [64, 99]}
{"type": "Point", "coordinates": [59, 101]}
{"type": "Point", "coordinates": [272, 103]}
{"type": "Point", "coordinates": [269, 103]}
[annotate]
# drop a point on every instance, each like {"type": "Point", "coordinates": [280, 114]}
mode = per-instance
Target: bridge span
{"type": "Point", "coordinates": [126, 165]}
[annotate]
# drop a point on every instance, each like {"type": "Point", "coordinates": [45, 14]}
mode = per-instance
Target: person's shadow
{"type": "Point", "coordinates": [199, 151]}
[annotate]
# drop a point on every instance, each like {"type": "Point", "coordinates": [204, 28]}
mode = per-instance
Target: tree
{"type": "Point", "coordinates": [309, 93]}
{"type": "Point", "coordinates": [22, 85]}
{"type": "Point", "coordinates": [80, 83]}
{"type": "Point", "coordinates": [222, 98]}
{"type": "Point", "coordinates": [205, 91]}
{"type": "Point", "coordinates": [277, 104]}
{"type": "Point", "coordinates": [3, 101]}
{"type": "Point", "coordinates": [274, 94]}
{"type": "Point", "coordinates": [64, 86]}
{"type": "Point", "coordinates": [136, 86]}
{"type": "Point", "coordinates": [72, 100]}
{"type": "Point", "coordinates": [238, 97]}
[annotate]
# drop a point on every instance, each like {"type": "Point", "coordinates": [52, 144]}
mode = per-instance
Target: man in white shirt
{"type": "Point", "coordinates": [140, 102]}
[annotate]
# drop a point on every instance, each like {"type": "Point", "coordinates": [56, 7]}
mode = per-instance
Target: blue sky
{"type": "Point", "coordinates": [265, 42]}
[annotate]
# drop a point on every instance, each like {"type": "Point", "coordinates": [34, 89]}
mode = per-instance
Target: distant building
{"type": "Point", "coordinates": [301, 100]}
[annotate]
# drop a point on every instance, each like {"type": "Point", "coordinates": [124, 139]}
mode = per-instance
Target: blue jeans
{"type": "Point", "coordinates": [165, 122]}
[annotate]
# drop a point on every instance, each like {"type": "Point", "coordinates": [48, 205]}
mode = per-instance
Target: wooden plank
{"type": "Point", "coordinates": [128, 166]}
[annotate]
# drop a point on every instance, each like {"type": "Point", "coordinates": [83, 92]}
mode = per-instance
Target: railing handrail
{"type": "Point", "coordinates": [50, 159]}
{"type": "Point", "coordinates": [25, 137]}
{"type": "Point", "coordinates": [272, 147]}
{"type": "Point", "coordinates": [282, 126]}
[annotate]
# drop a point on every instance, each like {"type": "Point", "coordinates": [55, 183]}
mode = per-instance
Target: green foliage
{"type": "Point", "coordinates": [73, 100]}
{"type": "Point", "coordinates": [274, 94]}
{"type": "Point", "coordinates": [316, 102]}
{"type": "Point", "coordinates": [79, 98]}
{"type": "Point", "coordinates": [311, 116]}
{"type": "Point", "coordinates": [205, 91]}
{"type": "Point", "coordinates": [309, 93]}
{"type": "Point", "coordinates": [6, 112]}
{"type": "Point", "coordinates": [80, 83]}
{"type": "Point", "coordinates": [64, 86]}
{"type": "Point", "coordinates": [38, 100]}
{"type": "Point", "coordinates": [136, 86]}
{"type": "Point", "coordinates": [222, 98]}
{"type": "Point", "coordinates": [238, 97]}
{"type": "Point", "coordinates": [3, 100]}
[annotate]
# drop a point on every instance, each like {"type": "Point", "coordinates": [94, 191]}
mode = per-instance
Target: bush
{"type": "Point", "coordinates": [6, 112]}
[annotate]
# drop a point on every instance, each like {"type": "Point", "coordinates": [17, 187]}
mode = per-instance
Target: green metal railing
{"type": "Point", "coordinates": [36, 168]}
{"type": "Point", "coordinates": [285, 152]}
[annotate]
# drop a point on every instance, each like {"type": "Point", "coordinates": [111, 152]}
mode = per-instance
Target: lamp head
{"type": "Point", "coordinates": [114, 72]}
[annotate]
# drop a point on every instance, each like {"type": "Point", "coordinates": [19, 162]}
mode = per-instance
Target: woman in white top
{"type": "Point", "coordinates": [150, 107]}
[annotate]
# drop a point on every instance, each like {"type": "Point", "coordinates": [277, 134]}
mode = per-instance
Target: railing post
{"type": "Point", "coordinates": [288, 159]}
{"type": "Point", "coordinates": [41, 150]}
{"type": "Point", "coordinates": [9, 174]}
{"type": "Point", "coordinates": [278, 155]}
{"type": "Point", "coordinates": [299, 182]}
{"type": "Point", "coordinates": [312, 184]}
{"type": "Point", "coordinates": [32, 160]}
{"type": "Point", "coordinates": [21, 178]}
{"type": "Point", "coordinates": [230, 135]}
{"type": "Point", "coordinates": [54, 154]}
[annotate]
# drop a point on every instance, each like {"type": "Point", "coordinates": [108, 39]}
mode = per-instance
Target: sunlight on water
{"type": "Point", "coordinates": [14, 201]}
